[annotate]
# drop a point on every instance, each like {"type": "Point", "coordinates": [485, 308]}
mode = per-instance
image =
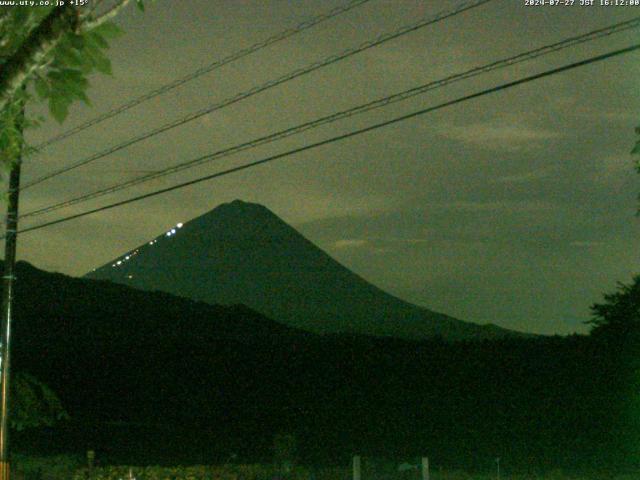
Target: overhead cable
{"type": "Point", "coordinates": [378, 103]}
{"type": "Point", "coordinates": [278, 37]}
{"type": "Point", "coordinates": [337, 138]}
{"type": "Point", "coordinates": [265, 86]}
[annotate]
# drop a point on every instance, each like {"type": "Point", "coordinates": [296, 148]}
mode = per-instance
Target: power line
{"type": "Point", "coordinates": [270, 84]}
{"type": "Point", "coordinates": [382, 102]}
{"type": "Point", "coordinates": [278, 37]}
{"type": "Point", "coordinates": [344, 136]}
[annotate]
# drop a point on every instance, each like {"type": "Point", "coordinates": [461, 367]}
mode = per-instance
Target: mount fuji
{"type": "Point", "coordinates": [242, 253]}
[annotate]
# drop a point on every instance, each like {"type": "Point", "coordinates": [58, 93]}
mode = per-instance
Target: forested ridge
{"type": "Point", "coordinates": [225, 380]}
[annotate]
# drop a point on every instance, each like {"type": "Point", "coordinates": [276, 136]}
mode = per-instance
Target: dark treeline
{"type": "Point", "coordinates": [152, 378]}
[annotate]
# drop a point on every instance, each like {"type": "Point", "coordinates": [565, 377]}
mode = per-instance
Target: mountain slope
{"type": "Point", "coordinates": [130, 353]}
{"type": "Point", "coordinates": [242, 253]}
{"type": "Point", "coordinates": [149, 377]}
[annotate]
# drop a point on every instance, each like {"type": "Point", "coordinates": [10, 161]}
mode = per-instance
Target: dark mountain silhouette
{"type": "Point", "coordinates": [149, 377]}
{"type": "Point", "coordinates": [242, 253]}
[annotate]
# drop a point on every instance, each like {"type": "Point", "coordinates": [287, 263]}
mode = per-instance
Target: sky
{"type": "Point", "coordinates": [517, 208]}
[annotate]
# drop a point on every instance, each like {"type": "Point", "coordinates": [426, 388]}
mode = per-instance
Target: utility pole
{"type": "Point", "coordinates": [356, 468]}
{"type": "Point", "coordinates": [8, 278]}
{"type": "Point", "coordinates": [425, 468]}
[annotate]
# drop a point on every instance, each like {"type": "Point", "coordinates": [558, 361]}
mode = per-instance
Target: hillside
{"type": "Point", "coordinates": [150, 377]}
{"type": "Point", "coordinates": [242, 253]}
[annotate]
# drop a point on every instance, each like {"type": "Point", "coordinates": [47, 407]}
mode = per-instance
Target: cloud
{"type": "Point", "coordinates": [411, 241]}
{"type": "Point", "coordinates": [513, 206]}
{"type": "Point", "coordinates": [616, 116]}
{"type": "Point", "coordinates": [585, 244]}
{"type": "Point", "coordinates": [499, 136]}
{"type": "Point", "coordinates": [527, 176]}
{"type": "Point", "coordinates": [408, 240]}
{"type": "Point", "coordinates": [621, 116]}
{"type": "Point", "coordinates": [350, 243]}
{"type": "Point", "coordinates": [614, 164]}
{"type": "Point", "coordinates": [318, 205]}
{"type": "Point", "coordinates": [613, 171]}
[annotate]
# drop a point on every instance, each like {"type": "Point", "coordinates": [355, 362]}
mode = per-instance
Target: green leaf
{"type": "Point", "coordinates": [91, 55]}
{"type": "Point", "coordinates": [87, 64]}
{"type": "Point", "coordinates": [69, 56]}
{"type": "Point", "coordinates": [21, 16]}
{"type": "Point", "coordinates": [67, 85]}
{"type": "Point", "coordinates": [108, 30]}
{"type": "Point", "coordinates": [98, 40]}
{"type": "Point", "coordinates": [59, 108]}
{"type": "Point", "coordinates": [77, 41]}
{"type": "Point", "coordinates": [33, 403]}
{"type": "Point", "coordinates": [42, 88]}
{"type": "Point", "coordinates": [83, 98]}
{"type": "Point", "coordinates": [636, 149]}
{"type": "Point", "coordinates": [66, 75]}
{"type": "Point", "coordinates": [102, 64]}
{"type": "Point", "coordinates": [140, 5]}
{"type": "Point", "coordinates": [75, 90]}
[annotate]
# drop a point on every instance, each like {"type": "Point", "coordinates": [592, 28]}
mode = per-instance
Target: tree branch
{"type": "Point", "coordinates": [32, 52]}
{"type": "Point", "coordinates": [105, 17]}
{"type": "Point", "coordinates": [4, 15]}
{"type": "Point", "coordinates": [4, 22]}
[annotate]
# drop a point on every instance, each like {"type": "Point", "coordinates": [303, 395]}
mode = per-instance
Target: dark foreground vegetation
{"type": "Point", "coordinates": [148, 378]}
{"type": "Point", "coordinates": [71, 468]}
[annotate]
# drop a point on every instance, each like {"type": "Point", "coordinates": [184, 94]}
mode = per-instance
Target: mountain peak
{"type": "Point", "coordinates": [242, 253]}
{"type": "Point", "coordinates": [238, 211]}
{"type": "Point", "coordinates": [240, 206]}
{"type": "Point", "coordinates": [235, 221]}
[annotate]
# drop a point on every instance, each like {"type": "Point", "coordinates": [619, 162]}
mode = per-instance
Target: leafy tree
{"type": "Point", "coordinates": [34, 404]}
{"type": "Point", "coordinates": [284, 451]}
{"type": "Point", "coordinates": [616, 335]}
{"type": "Point", "coordinates": [47, 54]}
{"type": "Point", "coordinates": [619, 315]}
{"type": "Point", "coordinates": [636, 151]}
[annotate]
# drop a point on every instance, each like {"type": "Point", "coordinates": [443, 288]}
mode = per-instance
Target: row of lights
{"type": "Point", "coordinates": [172, 231]}
{"type": "Point", "coordinates": [129, 256]}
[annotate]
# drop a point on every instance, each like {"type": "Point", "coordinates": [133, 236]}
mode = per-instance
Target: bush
{"type": "Point", "coordinates": [57, 467]}
{"type": "Point", "coordinates": [197, 472]}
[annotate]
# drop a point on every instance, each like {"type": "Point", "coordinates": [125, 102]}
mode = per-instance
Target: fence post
{"type": "Point", "coordinates": [356, 467]}
{"type": "Point", "coordinates": [425, 468]}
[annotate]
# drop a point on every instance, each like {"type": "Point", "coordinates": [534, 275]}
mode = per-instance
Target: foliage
{"type": "Point", "coordinates": [265, 472]}
{"type": "Point", "coordinates": [64, 79]}
{"type": "Point", "coordinates": [15, 26]}
{"type": "Point", "coordinates": [211, 380]}
{"type": "Point", "coordinates": [636, 148]}
{"type": "Point", "coordinates": [636, 151]}
{"type": "Point", "coordinates": [59, 75]}
{"type": "Point", "coordinates": [284, 449]}
{"type": "Point", "coordinates": [33, 403]}
{"type": "Point", "coordinates": [11, 139]}
{"type": "Point", "coordinates": [53, 467]}
{"type": "Point", "coordinates": [61, 78]}
{"type": "Point", "coordinates": [196, 472]}
{"type": "Point", "coordinates": [620, 312]}
{"type": "Point", "coordinates": [616, 330]}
